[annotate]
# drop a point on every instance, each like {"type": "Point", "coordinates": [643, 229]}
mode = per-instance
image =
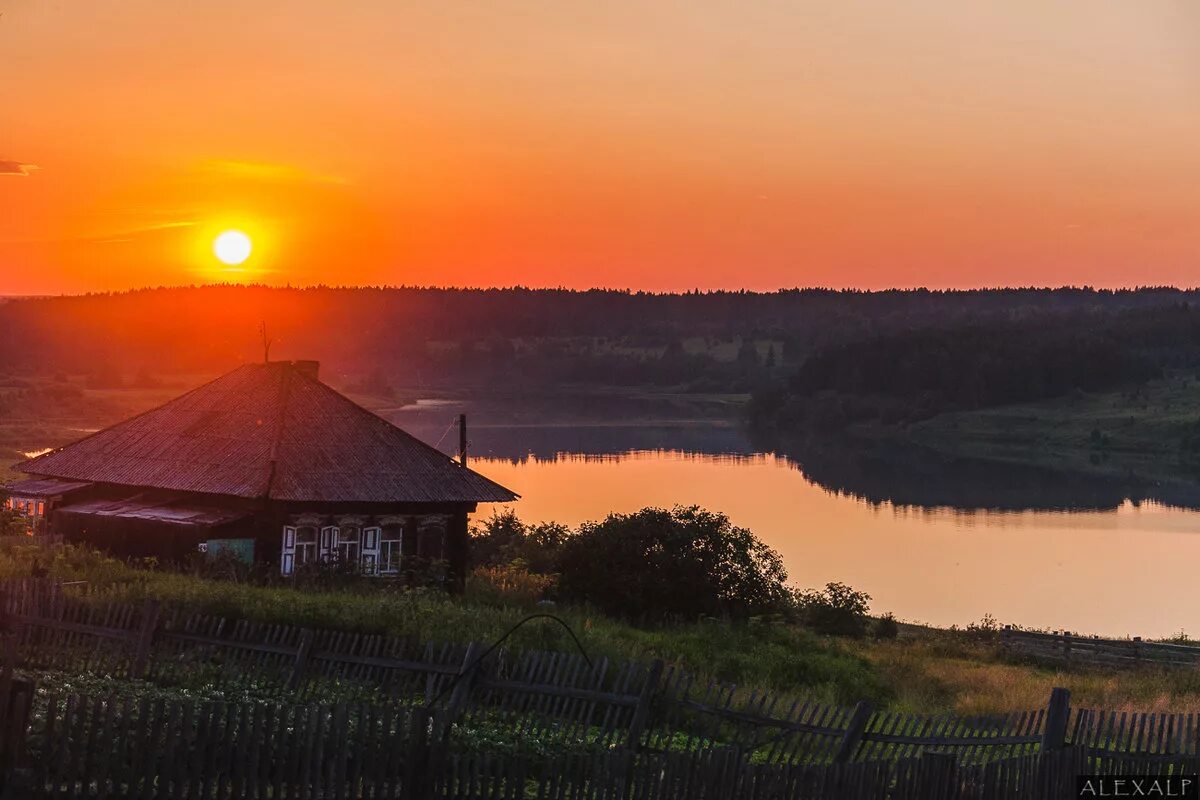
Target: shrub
{"type": "Point", "coordinates": [508, 584]}
{"type": "Point", "coordinates": [886, 627]}
{"type": "Point", "coordinates": [504, 538]}
{"type": "Point", "coordinates": [13, 523]}
{"type": "Point", "coordinates": [837, 610]}
{"type": "Point", "coordinates": [986, 630]}
{"type": "Point", "coordinates": [686, 562]}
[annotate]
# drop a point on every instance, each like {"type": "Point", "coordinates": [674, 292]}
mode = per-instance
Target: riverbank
{"type": "Point", "coordinates": [1148, 433]}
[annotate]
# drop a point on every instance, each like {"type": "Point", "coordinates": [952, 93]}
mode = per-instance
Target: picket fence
{"type": "Point", "coordinates": [122, 748]}
{"type": "Point", "coordinates": [566, 727]}
{"type": "Point", "coordinates": [653, 707]}
{"type": "Point", "coordinates": [232, 752]}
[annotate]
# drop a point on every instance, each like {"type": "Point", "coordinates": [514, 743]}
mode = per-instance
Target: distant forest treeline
{"type": "Point", "coordinates": [914, 375]}
{"type": "Point", "coordinates": [701, 341]}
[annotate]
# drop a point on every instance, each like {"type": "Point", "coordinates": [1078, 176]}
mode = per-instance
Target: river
{"type": "Point", "coordinates": [942, 543]}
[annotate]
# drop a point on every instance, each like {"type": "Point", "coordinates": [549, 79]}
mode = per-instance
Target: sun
{"type": "Point", "coordinates": [232, 247]}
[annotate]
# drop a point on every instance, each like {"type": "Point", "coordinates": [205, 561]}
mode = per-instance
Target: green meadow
{"type": "Point", "coordinates": [923, 670]}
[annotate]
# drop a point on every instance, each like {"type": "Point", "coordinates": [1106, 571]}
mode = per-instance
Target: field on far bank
{"type": "Point", "coordinates": [925, 670]}
{"type": "Point", "coordinates": [1149, 432]}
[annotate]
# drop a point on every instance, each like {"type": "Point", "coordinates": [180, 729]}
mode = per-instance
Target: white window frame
{"type": "Point", "coordinates": [325, 543]}
{"type": "Point", "coordinates": [386, 546]}
{"type": "Point", "coordinates": [341, 547]}
{"type": "Point", "coordinates": [311, 547]}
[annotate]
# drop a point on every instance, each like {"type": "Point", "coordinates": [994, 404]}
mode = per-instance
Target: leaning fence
{"type": "Point", "coordinates": [455, 720]}
{"type": "Point", "coordinates": [560, 696]}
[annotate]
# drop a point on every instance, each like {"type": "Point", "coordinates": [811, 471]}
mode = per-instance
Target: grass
{"type": "Point", "coordinates": [924, 671]}
{"type": "Point", "coordinates": [1134, 432]}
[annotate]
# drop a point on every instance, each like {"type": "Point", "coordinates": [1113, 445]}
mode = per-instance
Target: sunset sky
{"type": "Point", "coordinates": [652, 145]}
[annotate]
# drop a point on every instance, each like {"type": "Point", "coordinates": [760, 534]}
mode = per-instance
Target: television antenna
{"type": "Point", "coordinates": [262, 329]}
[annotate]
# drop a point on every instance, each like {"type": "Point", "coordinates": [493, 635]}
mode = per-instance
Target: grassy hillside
{"type": "Point", "coordinates": [922, 671]}
{"type": "Point", "coordinates": [1146, 432]}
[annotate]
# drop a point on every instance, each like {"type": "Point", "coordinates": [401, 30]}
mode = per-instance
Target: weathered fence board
{"type": "Point", "coordinates": [1094, 650]}
{"type": "Point", "coordinates": [557, 698]}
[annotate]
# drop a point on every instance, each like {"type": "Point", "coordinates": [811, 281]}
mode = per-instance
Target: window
{"type": "Point", "coordinates": [370, 550]}
{"type": "Point", "coordinates": [389, 549]}
{"type": "Point", "coordinates": [306, 545]}
{"type": "Point", "coordinates": [431, 541]}
{"type": "Point", "coordinates": [348, 542]}
{"type": "Point", "coordinates": [326, 549]}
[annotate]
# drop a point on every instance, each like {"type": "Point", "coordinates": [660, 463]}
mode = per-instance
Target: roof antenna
{"type": "Point", "coordinates": [262, 329]}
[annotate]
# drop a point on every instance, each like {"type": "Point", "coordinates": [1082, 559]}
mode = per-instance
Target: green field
{"type": "Point", "coordinates": [1143, 433]}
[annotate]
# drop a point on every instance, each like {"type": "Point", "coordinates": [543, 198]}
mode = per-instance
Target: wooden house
{"type": "Point", "coordinates": [267, 462]}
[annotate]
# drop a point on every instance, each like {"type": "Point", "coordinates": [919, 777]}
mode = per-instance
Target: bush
{"type": "Point", "coordinates": [686, 562]}
{"type": "Point", "coordinates": [837, 610]}
{"type": "Point", "coordinates": [886, 627]}
{"type": "Point", "coordinates": [507, 585]}
{"type": "Point", "coordinates": [986, 630]}
{"type": "Point", "coordinates": [504, 539]}
{"type": "Point", "coordinates": [12, 522]}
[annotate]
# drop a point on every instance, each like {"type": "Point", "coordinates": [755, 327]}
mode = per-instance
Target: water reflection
{"type": "Point", "coordinates": [943, 541]}
{"type": "Point", "coordinates": [913, 476]}
{"type": "Point", "coordinates": [881, 473]}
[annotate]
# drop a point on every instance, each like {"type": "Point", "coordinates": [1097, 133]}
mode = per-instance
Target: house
{"type": "Point", "coordinates": [267, 462]}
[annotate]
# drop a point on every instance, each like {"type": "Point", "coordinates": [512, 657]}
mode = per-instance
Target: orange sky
{"type": "Point", "coordinates": [656, 145]}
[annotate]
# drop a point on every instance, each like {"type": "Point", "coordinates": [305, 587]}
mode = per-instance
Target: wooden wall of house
{"type": "Point", "coordinates": [431, 532]}
{"type": "Point", "coordinates": [134, 538]}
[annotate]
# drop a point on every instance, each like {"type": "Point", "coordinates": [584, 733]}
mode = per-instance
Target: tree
{"type": "Point", "coordinates": [838, 610]}
{"type": "Point", "coordinates": [747, 355]}
{"type": "Point", "coordinates": [12, 523]}
{"type": "Point", "coordinates": [684, 562]}
{"type": "Point", "coordinates": [504, 538]}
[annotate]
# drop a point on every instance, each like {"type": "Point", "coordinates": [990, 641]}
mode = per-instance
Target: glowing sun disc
{"type": "Point", "coordinates": [232, 247]}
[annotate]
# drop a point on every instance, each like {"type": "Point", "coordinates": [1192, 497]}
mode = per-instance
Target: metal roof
{"type": "Point", "coordinates": [172, 511]}
{"type": "Point", "coordinates": [269, 430]}
{"type": "Point", "coordinates": [44, 487]}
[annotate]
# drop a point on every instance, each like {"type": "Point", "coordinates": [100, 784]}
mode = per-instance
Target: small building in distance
{"type": "Point", "coordinates": [267, 462]}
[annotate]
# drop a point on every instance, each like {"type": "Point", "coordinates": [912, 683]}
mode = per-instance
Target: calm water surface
{"type": "Point", "coordinates": [936, 541]}
{"type": "Point", "coordinates": [1062, 553]}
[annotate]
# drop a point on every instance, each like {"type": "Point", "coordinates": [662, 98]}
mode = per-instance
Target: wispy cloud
{"type": "Point", "coordinates": [129, 235]}
{"type": "Point", "coordinates": [275, 173]}
{"type": "Point", "coordinates": [116, 237]}
{"type": "Point", "coordinates": [16, 168]}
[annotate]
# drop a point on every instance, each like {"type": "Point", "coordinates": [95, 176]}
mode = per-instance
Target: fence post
{"type": "Point", "coordinates": [938, 776]}
{"type": "Point", "coordinates": [466, 680]}
{"type": "Point", "coordinates": [145, 637]}
{"type": "Point", "coordinates": [1054, 737]}
{"type": "Point", "coordinates": [418, 777]}
{"type": "Point", "coordinates": [306, 640]}
{"type": "Point", "coordinates": [854, 732]}
{"type": "Point", "coordinates": [641, 713]}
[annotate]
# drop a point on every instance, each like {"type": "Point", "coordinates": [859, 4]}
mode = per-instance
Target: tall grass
{"type": "Point", "coordinates": [928, 672]}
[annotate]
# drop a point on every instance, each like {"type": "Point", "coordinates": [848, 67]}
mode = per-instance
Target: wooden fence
{"type": "Point", "coordinates": [92, 747]}
{"type": "Point", "coordinates": [560, 727]}
{"type": "Point", "coordinates": [138, 749]}
{"type": "Point", "coordinates": [1094, 650]}
{"type": "Point", "coordinates": [554, 696]}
